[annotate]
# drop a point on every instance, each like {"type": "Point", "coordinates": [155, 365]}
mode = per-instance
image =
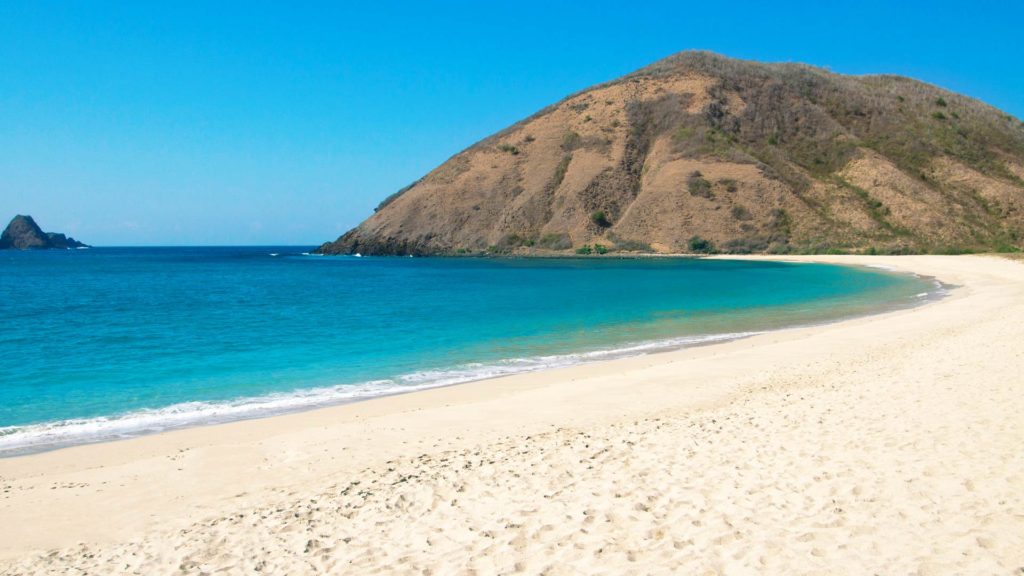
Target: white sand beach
{"type": "Point", "coordinates": [891, 444]}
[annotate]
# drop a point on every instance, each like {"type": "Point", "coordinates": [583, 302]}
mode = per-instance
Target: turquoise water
{"type": "Point", "coordinates": [108, 343]}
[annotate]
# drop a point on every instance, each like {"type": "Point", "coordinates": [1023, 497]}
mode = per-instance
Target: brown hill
{"type": "Point", "coordinates": [698, 152]}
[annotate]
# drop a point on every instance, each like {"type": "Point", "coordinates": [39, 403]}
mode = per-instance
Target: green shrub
{"type": "Point", "coordinates": [940, 101]}
{"type": "Point", "coordinates": [600, 218]}
{"type": "Point", "coordinates": [938, 116]}
{"type": "Point", "coordinates": [509, 148]}
{"type": "Point", "coordinates": [394, 196]}
{"type": "Point", "coordinates": [560, 170]}
{"type": "Point", "coordinates": [698, 186]}
{"type": "Point", "coordinates": [781, 223]}
{"type": "Point", "coordinates": [683, 133]}
{"type": "Point", "coordinates": [730, 184]}
{"type": "Point", "coordinates": [629, 245]}
{"type": "Point", "coordinates": [773, 243]}
{"type": "Point", "coordinates": [510, 242]}
{"type": "Point", "coordinates": [952, 250]}
{"type": "Point", "coordinates": [570, 141]}
{"type": "Point", "coordinates": [600, 249]}
{"type": "Point", "coordinates": [584, 250]}
{"type": "Point", "coordinates": [897, 250]}
{"type": "Point", "coordinates": [741, 213]}
{"type": "Point", "coordinates": [558, 241]}
{"type": "Point", "coordinates": [878, 207]}
{"type": "Point", "coordinates": [698, 245]}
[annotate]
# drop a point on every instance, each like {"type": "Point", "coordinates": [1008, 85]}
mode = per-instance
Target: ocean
{"type": "Point", "coordinates": [109, 343]}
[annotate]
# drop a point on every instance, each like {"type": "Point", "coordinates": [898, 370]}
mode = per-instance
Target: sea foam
{"type": "Point", "coordinates": [18, 440]}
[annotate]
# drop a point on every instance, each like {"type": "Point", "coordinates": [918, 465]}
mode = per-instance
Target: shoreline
{"type": "Point", "coordinates": [162, 495]}
{"type": "Point", "coordinates": [193, 414]}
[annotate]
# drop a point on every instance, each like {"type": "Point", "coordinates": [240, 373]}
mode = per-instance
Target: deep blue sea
{"type": "Point", "coordinates": [115, 342]}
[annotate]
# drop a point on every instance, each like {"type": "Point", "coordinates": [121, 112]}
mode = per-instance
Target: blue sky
{"type": "Point", "coordinates": [136, 123]}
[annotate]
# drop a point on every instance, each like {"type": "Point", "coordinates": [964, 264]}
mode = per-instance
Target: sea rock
{"type": "Point", "coordinates": [24, 234]}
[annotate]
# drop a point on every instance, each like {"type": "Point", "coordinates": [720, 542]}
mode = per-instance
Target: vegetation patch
{"type": "Point", "coordinates": [571, 141]}
{"type": "Point", "coordinates": [698, 186]}
{"type": "Point", "coordinates": [698, 245]}
{"type": "Point", "coordinates": [740, 212]}
{"type": "Point", "coordinates": [587, 249]}
{"type": "Point", "coordinates": [560, 170]}
{"type": "Point", "coordinates": [683, 133]}
{"type": "Point", "coordinates": [875, 208]}
{"type": "Point", "coordinates": [629, 245]}
{"type": "Point", "coordinates": [781, 224]}
{"type": "Point", "coordinates": [395, 196]}
{"type": "Point", "coordinates": [601, 219]}
{"type": "Point", "coordinates": [747, 245]}
{"type": "Point", "coordinates": [558, 241]}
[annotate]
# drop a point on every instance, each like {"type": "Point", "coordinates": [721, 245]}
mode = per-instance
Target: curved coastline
{"type": "Point", "coordinates": [884, 396]}
{"type": "Point", "coordinates": [47, 436]}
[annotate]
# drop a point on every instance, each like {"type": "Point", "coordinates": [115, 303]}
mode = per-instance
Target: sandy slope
{"type": "Point", "coordinates": [892, 444]}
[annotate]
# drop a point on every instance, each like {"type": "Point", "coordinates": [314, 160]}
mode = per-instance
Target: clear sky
{"type": "Point", "coordinates": [136, 123]}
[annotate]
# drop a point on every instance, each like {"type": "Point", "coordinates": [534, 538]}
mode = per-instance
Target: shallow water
{"type": "Point", "coordinates": [109, 343]}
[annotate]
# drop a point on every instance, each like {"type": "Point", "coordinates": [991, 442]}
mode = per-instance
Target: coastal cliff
{"type": "Point", "coordinates": [703, 153]}
{"type": "Point", "coordinates": [22, 233]}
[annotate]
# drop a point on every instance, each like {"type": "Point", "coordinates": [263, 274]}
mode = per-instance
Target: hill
{"type": "Point", "coordinates": [701, 153]}
{"type": "Point", "coordinates": [22, 233]}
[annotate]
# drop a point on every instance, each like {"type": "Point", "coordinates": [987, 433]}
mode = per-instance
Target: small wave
{"type": "Point", "coordinates": [16, 440]}
{"type": "Point", "coordinates": [26, 439]}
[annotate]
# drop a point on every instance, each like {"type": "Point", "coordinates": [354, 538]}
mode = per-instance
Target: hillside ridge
{"type": "Point", "coordinates": [702, 153]}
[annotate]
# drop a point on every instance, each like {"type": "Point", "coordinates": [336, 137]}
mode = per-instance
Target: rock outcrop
{"type": "Point", "coordinates": [24, 234]}
{"type": "Point", "coordinates": [700, 153]}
